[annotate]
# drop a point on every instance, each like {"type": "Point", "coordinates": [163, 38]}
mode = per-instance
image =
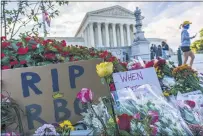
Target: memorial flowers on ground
{"type": "Point", "coordinates": [186, 80]}
{"type": "Point", "coordinates": [36, 51]}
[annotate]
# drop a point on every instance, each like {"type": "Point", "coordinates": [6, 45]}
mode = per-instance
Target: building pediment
{"type": "Point", "coordinates": [117, 11]}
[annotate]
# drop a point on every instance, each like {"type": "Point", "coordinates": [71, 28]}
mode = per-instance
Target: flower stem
{"type": "Point", "coordinates": [113, 112]}
{"type": "Point", "coordinates": [99, 119]}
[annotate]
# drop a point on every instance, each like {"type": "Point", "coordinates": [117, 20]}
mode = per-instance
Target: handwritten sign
{"type": "Point", "coordinates": [135, 78]}
{"type": "Point", "coordinates": [47, 94]}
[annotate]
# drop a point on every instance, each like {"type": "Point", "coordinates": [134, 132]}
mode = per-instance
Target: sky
{"type": "Point", "coordinates": [162, 19]}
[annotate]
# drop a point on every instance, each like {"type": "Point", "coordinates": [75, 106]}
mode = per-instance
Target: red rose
{"type": "Point", "coordinates": [27, 39]}
{"type": "Point", "coordinates": [190, 103]}
{"type": "Point", "coordinates": [19, 43]}
{"type": "Point", "coordinates": [5, 44]}
{"type": "Point", "coordinates": [92, 54]}
{"type": "Point", "coordinates": [76, 59]}
{"type": "Point", "coordinates": [3, 38]}
{"type": "Point", "coordinates": [111, 59]}
{"type": "Point", "coordinates": [112, 87]}
{"type": "Point", "coordinates": [23, 62]}
{"type": "Point", "coordinates": [49, 55]}
{"type": "Point", "coordinates": [63, 43]}
{"type": "Point", "coordinates": [22, 50]}
{"type": "Point", "coordinates": [124, 64]}
{"type": "Point", "coordinates": [2, 55]}
{"type": "Point", "coordinates": [14, 62]}
{"type": "Point", "coordinates": [44, 42]}
{"type": "Point", "coordinates": [149, 64]}
{"type": "Point", "coordinates": [34, 46]}
{"type": "Point", "coordinates": [104, 54]}
{"type": "Point", "coordinates": [49, 41]}
{"type": "Point", "coordinates": [124, 122]}
{"type": "Point", "coordinates": [5, 67]}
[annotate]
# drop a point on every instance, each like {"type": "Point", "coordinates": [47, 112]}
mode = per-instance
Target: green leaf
{"type": "Point", "coordinates": [26, 57]}
{"type": "Point", "coordinates": [13, 44]}
{"type": "Point", "coordinates": [5, 60]}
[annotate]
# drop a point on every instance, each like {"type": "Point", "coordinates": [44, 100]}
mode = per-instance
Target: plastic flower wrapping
{"type": "Point", "coordinates": [91, 120]}
{"type": "Point", "coordinates": [149, 113]}
{"type": "Point", "coordinates": [134, 65]}
{"type": "Point", "coordinates": [190, 106]}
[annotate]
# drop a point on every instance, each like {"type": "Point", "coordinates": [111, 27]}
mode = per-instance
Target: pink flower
{"type": "Point", "coordinates": [14, 62]}
{"type": "Point", "coordinates": [154, 115]}
{"type": "Point", "coordinates": [154, 130]}
{"type": "Point", "coordinates": [63, 43]}
{"type": "Point", "coordinates": [136, 66]}
{"type": "Point", "coordinates": [22, 50]}
{"type": "Point", "coordinates": [137, 116]}
{"type": "Point", "coordinates": [2, 55]}
{"type": "Point", "coordinates": [3, 38]}
{"type": "Point", "coordinates": [85, 95]}
{"type": "Point", "coordinates": [19, 43]}
{"type": "Point", "coordinates": [5, 67]}
{"type": "Point", "coordinates": [23, 62]}
{"type": "Point", "coordinates": [190, 103]}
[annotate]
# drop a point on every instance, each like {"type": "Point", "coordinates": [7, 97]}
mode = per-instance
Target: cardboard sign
{"type": "Point", "coordinates": [136, 78]}
{"type": "Point", "coordinates": [47, 94]}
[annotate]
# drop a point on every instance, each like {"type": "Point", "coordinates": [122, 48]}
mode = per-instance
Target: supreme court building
{"type": "Point", "coordinates": [108, 27]}
{"type": "Point", "coordinates": [117, 30]}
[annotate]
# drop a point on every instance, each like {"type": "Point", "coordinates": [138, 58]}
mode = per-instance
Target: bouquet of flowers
{"type": "Point", "coordinates": [55, 129]}
{"type": "Point", "coordinates": [186, 80]}
{"type": "Point", "coordinates": [164, 66]}
{"type": "Point", "coordinates": [148, 113]}
{"type": "Point", "coordinates": [190, 106]}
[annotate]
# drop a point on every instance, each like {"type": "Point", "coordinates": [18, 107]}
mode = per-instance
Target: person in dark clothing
{"type": "Point", "coordinates": [155, 51]}
{"type": "Point", "coordinates": [152, 51]}
{"type": "Point", "coordinates": [165, 50]}
{"type": "Point", "coordinates": [159, 51]}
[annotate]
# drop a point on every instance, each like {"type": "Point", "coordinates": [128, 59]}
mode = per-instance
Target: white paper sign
{"type": "Point", "coordinates": [136, 78]}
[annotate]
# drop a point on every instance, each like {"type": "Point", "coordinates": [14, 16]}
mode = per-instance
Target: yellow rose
{"type": "Point", "coordinates": [104, 69]}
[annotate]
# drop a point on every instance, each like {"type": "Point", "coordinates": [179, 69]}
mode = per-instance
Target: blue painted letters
{"type": "Point", "coordinates": [26, 83]}
{"type": "Point", "coordinates": [61, 108]}
{"type": "Point", "coordinates": [73, 75]}
{"type": "Point", "coordinates": [55, 83]}
{"type": "Point", "coordinates": [33, 113]}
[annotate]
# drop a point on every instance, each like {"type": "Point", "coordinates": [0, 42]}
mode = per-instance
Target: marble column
{"type": "Point", "coordinates": [91, 35]}
{"type": "Point", "coordinates": [114, 35]}
{"type": "Point", "coordinates": [122, 34]}
{"type": "Point", "coordinates": [107, 34]}
{"type": "Point", "coordinates": [128, 34]}
{"type": "Point", "coordinates": [99, 34]}
{"type": "Point", "coordinates": [133, 28]}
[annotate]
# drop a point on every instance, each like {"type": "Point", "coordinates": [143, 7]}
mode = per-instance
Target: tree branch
{"type": "Point", "coordinates": [19, 10]}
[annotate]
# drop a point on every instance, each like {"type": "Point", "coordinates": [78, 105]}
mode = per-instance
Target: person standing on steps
{"type": "Point", "coordinates": [186, 41]}
{"type": "Point", "coordinates": [165, 50]}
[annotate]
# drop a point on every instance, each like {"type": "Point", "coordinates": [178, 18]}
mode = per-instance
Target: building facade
{"type": "Point", "coordinates": [108, 27]}
{"type": "Point", "coordinates": [117, 30]}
